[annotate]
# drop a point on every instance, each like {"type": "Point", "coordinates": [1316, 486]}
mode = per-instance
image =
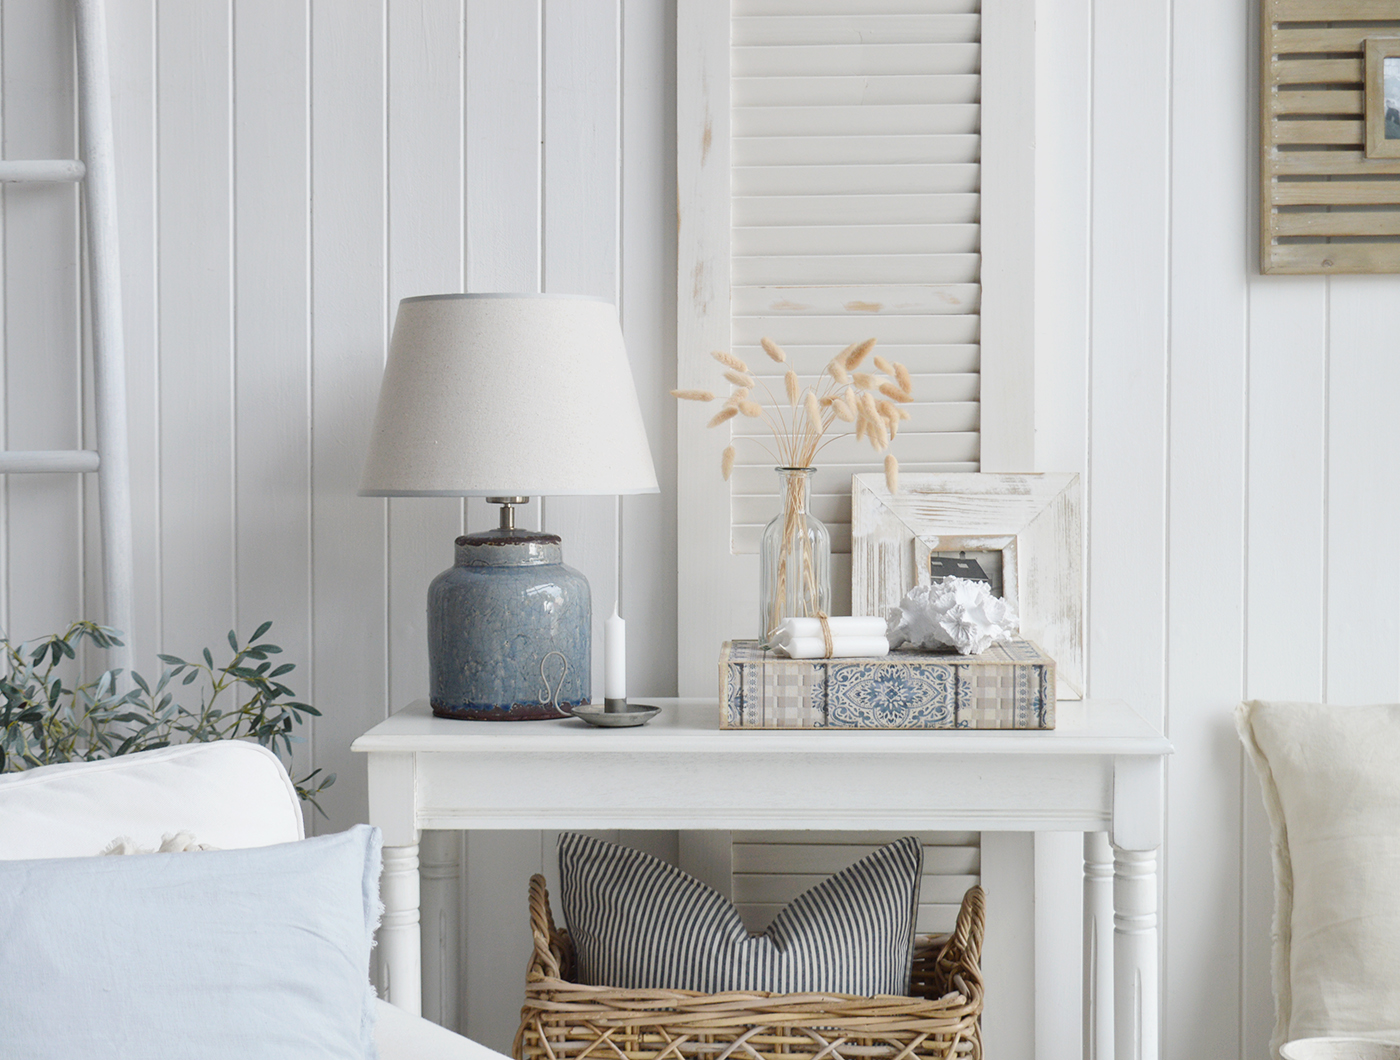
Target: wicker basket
{"type": "Point", "coordinates": [563, 1020]}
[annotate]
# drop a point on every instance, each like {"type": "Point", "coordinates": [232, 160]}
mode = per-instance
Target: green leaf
{"type": "Point", "coordinates": [233, 642]}
{"type": "Point", "coordinates": [257, 633]}
{"type": "Point", "coordinates": [285, 668]}
{"type": "Point", "coordinates": [172, 660]}
{"type": "Point", "coordinates": [190, 677]}
{"type": "Point", "coordinates": [208, 659]}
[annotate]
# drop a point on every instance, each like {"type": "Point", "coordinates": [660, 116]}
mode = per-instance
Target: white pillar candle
{"type": "Point", "coordinates": [614, 657]}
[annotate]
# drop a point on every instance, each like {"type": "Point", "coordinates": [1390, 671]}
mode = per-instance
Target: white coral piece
{"type": "Point", "coordinates": [954, 613]}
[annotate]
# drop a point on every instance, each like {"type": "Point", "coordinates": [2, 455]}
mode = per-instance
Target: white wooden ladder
{"type": "Point", "coordinates": [110, 459]}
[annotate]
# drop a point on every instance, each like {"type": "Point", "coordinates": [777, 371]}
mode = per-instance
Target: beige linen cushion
{"type": "Point", "coordinates": [1331, 781]}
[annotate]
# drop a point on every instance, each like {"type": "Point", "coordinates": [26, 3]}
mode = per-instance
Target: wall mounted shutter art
{"type": "Point", "coordinates": [1326, 206]}
{"type": "Point", "coordinates": [846, 169]}
{"type": "Point", "coordinates": [854, 171]}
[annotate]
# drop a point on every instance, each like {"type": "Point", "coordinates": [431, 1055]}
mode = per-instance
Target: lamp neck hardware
{"type": "Point", "coordinates": [507, 509]}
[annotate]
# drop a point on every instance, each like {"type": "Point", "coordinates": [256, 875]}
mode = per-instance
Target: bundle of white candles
{"type": "Point", "coordinates": [851, 638]}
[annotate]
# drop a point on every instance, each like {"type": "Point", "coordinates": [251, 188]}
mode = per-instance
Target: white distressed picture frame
{"type": "Point", "coordinates": [1034, 521]}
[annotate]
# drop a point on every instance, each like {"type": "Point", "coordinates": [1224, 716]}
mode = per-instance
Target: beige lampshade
{"type": "Point", "coordinates": [507, 395]}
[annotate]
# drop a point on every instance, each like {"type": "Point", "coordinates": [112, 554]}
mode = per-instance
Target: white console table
{"type": "Point", "coordinates": [1100, 772]}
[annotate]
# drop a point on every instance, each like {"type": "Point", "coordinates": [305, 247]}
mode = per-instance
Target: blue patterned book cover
{"type": "Point", "coordinates": [1009, 686]}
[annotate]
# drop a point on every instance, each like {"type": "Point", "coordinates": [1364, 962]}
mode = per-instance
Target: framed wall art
{"type": "Point", "coordinates": [1382, 73]}
{"type": "Point", "coordinates": [1024, 532]}
{"type": "Point", "coordinates": [1330, 136]}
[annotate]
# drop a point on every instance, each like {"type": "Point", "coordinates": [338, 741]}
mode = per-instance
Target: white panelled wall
{"type": "Point", "coordinates": [289, 170]}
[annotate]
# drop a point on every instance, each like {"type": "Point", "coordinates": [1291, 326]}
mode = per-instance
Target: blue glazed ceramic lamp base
{"type": "Point", "coordinates": [509, 630]}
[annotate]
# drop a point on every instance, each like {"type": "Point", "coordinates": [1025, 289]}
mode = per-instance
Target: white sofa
{"type": "Point", "coordinates": [228, 795]}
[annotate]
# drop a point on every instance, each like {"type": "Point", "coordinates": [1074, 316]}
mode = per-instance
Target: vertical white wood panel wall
{"type": "Point", "coordinates": [289, 170]}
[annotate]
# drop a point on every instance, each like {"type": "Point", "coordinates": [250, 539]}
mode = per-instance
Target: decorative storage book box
{"type": "Point", "coordinates": [1008, 686]}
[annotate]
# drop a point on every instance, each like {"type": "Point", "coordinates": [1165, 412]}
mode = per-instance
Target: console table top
{"type": "Point", "coordinates": [1084, 727]}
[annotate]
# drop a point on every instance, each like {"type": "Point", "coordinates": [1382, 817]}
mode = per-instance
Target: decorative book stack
{"type": "Point", "coordinates": [1008, 686]}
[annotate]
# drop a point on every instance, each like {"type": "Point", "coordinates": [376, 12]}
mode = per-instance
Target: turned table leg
{"type": "Point", "coordinates": [1098, 947]}
{"type": "Point", "coordinates": [400, 945]}
{"type": "Point", "coordinates": [1135, 954]}
{"type": "Point", "coordinates": [440, 870]}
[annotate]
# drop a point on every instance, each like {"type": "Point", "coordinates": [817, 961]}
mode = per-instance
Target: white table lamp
{"type": "Point", "coordinates": [508, 396]}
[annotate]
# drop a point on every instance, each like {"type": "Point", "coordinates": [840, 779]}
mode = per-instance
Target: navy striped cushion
{"type": "Point", "coordinates": [638, 922]}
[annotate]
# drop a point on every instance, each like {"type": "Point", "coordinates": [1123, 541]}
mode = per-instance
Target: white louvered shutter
{"type": "Point", "coordinates": [854, 150]}
{"type": "Point", "coordinates": [770, 869]}
{"type": "Point", "coordinates": [846, 169]}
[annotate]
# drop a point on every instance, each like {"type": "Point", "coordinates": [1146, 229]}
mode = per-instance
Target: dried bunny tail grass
{"type": "Point", "coordinates": [891, 417]}
{"type": "Point", "coordinates": [826, 402]}
{"type": "Point", "coordinates": [902, 377]}
{"type": "Point", "coordinates": [772, 349]}
{"type": "Point", "coordinates": [793, 389]}
{"type": "Point", "coordinates": [879, 432]}
{"type": "Point", "coordinates": [893, 392]}
{"type": "Point", "coordinates": [726, 413]}
{"type": "Point", "coordinates": [884, 365]}
{"type": "Point", "coordinates": [843, 411]}
{"type": "Point", "coordinates": [740, 392]}
{"type": "Point", "coordinates": [860, 425]}
{"type": "Point", "coordinates": [693, 395]}
{"type": "Point", "coordinates": [856, 353]}
{"type": "Point", "coordinates": [752, 409]}
{"type": "Point", "coordinates": [729, 360]}
{"type": "Point", "coordinates": [726, 463]}
{"type": "Point", "coordinates": [866, 381]}
{"type": "Point", "coordinates": [891, 473]}
{"type": "Point", "coordinates": [875, 428]}
{"type": "Point", "coordinates": [838, 372]}
{"type": "Point", "coordinates": [814, 414]}
{"type": "Point", "coordinates": [903, 415]}
{"type": "Point", "coordinates": [739, 378]}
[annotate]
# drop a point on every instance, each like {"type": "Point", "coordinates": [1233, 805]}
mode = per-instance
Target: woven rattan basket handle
{"type": "Point", "coordinates": [963, 954]}
{"type": "Point", "coordinates": [542, 928]}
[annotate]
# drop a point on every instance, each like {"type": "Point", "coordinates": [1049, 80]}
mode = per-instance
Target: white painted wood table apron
{"type": "Point", "coordinates": [1099, 772]}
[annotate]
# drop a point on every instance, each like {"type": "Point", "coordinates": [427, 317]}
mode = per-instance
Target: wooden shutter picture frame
{"type": "Point", "coordinates": [1378, 143]}
{"type": "Point", "coordinates": [1034, 521]}
{"type": "Point", "coordinates": [1322, 145]}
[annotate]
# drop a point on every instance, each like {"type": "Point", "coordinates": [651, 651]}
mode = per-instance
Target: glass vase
{"type": "Point", "coordinates": [794, 558]}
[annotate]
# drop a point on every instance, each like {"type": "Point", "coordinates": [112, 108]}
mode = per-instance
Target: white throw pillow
{"type": "Point", "coordinates": [1332, 789]}
{"type": "Point", "coordinates": [219, 955]}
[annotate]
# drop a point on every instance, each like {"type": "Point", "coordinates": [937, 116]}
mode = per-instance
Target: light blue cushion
{"type": "Point", "coordinates": [258, 953]}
